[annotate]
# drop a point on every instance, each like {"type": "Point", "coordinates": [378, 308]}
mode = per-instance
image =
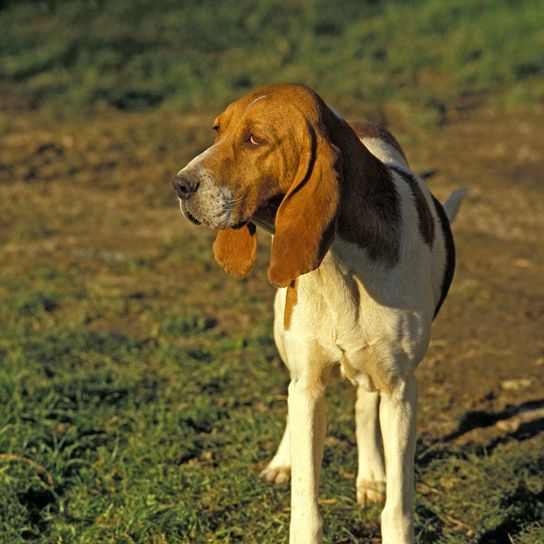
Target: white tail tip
{"type": "Point", "coordinates": [452, 205]}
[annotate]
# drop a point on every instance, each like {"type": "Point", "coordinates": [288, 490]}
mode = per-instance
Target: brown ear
{"type": "Point", "coordinates": [235, 250]}
{"type": "Point", "coordinates": [306, 219]}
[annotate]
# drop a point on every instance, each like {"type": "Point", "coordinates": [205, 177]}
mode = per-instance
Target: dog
{"type": "Point", "coordinates": [362, 256]}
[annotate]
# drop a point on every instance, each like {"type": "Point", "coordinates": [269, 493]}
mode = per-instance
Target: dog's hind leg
{"type": "Point", "coordinates": [371, 469]}
{"type": "Point", "coordinates": [279, 469]}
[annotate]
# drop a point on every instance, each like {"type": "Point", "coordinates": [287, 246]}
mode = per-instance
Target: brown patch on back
{"type": "Point", "coordinates": [364, 129]}
{"type": "Point", "coordinates": [290, 301]}
{"type": "Point", "coordinates": [426, 220]}
{"type": "Point", "coordinates": [370, 209]}
{"type": "Point", "coordinates": [235, 250]}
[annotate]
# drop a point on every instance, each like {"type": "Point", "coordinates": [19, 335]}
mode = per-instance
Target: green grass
{"type": "Point", "coordinates": [425, 56]}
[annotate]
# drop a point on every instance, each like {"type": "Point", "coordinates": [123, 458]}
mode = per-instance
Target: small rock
{"type": "Point", "coordinates": [515, 385]}
{"type": "Point", "coordinates": [522, 263]}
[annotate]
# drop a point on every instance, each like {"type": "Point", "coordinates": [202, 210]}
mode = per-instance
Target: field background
{"type": "Point", "coordinates": [140, 389]}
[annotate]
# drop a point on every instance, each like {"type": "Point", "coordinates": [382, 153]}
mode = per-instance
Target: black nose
{"type": "Point", "coordinates": [184, 186]}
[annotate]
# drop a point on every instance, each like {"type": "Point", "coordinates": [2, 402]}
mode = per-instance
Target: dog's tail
{"type": "Point", "coordinates": [452, 205]}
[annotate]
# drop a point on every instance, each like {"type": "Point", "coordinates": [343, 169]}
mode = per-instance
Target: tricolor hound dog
{"type": "Point", "coordinates": [362, 255]}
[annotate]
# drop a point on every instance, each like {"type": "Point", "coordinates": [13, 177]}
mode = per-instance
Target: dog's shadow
{"type": "Point", "coordinates": [489, 429]}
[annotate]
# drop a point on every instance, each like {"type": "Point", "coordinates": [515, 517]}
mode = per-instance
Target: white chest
{"type": "Point", "coordinates": [358, 312]}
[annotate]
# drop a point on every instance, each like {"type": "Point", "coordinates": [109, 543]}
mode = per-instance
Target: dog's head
{"type": "Point", "coordinates": [272, 161]}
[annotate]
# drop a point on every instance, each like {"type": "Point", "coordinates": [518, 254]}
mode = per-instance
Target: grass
{"type": "Point", "coordinates": [424, 57]}
{"type": "Point", "coordinates": [139, 438]}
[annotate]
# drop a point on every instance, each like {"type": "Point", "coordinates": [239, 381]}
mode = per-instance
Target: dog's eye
{"type": "Point", "coordinates": [254, 140]}
{"type": "Point", "coordinates": [216, 128]}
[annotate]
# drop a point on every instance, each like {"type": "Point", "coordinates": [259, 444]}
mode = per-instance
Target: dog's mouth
{"type": "Point", "coordinates": [216, 226]}
{"type": "Point", "coordinates": [264, 215]}
{"type": "Point", "coordinates": [187, 214]}
{"type": "Point", "coordinates": [192, 218]}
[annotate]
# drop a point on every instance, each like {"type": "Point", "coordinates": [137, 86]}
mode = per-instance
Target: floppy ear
{"type": "Point", "coordinates": [235, 250]}
{"type": "Point", "coordinates": [306, 219]}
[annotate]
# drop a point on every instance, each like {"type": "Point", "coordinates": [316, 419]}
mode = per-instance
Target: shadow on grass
{"type": "Point", "coordinates": [523, 507]}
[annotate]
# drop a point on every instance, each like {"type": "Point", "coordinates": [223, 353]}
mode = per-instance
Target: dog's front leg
{"type": "Point", "coordinates": [307, 422]}
{"type": "Point", "coordinates": [398, 423]}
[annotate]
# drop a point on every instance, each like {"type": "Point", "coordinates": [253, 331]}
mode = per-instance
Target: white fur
{"type": "Point", "coordinates": [384, 151]}
{"type": "Point", "coordinates": [374, 322]}
{"type": "Point", "coordinates": [257, 99]}
{"type": "Point", "coordinates": [451, 206]}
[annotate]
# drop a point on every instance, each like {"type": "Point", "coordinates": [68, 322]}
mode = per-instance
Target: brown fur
{"type": "Point", "coordinates": [305, 221]}
{"type": "Point", "coordinates": [450, 253]}
{"type": "Point", "coordinates": [235, 250]}
{"type": "Point", "coordinates": [328, 180]}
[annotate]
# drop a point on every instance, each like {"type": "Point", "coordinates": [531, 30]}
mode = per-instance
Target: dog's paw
{"type": "Point", "coordinates": [370, 492]}
{"type": "Point", "coordinates": [276, 475]}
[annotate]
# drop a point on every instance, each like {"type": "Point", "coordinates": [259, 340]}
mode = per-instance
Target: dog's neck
{"type": "Point", "coordinates": [265, 217]}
